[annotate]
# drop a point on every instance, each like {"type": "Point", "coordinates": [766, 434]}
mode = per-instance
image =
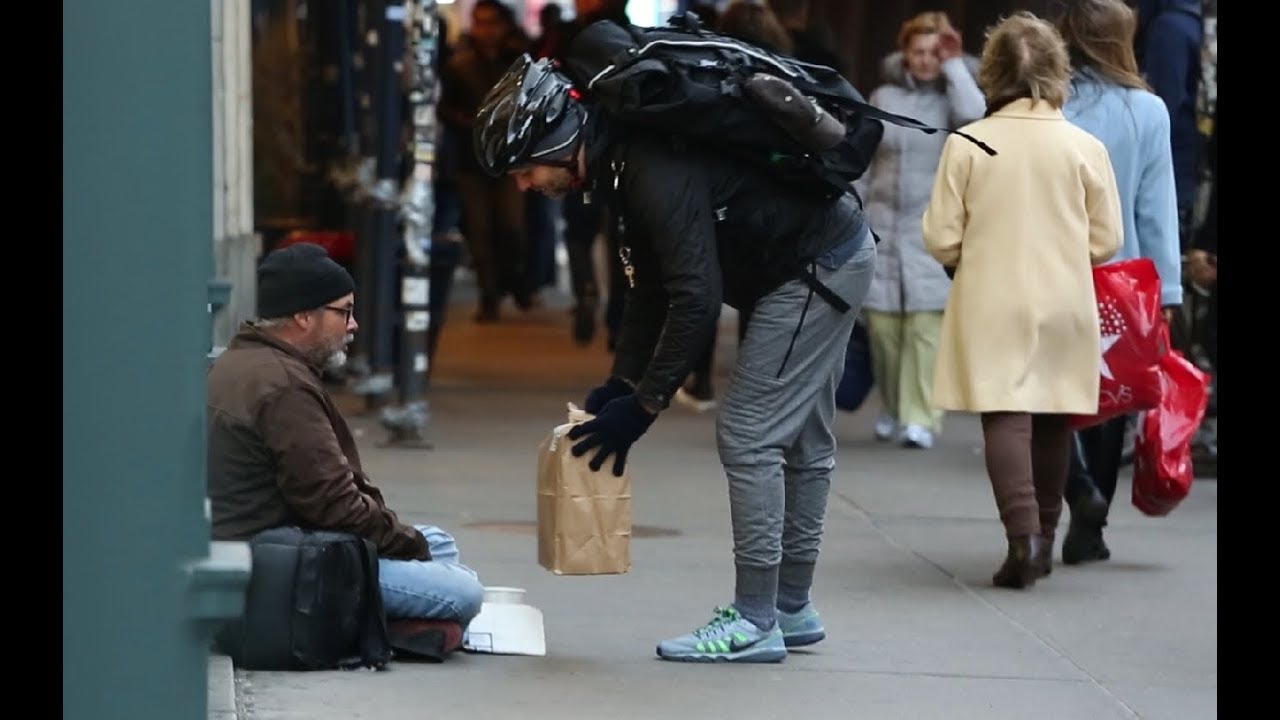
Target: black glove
{"type": "Point", "coordinates": [614, 387]}
{"type": "Point", "coordinates": [618, 425]}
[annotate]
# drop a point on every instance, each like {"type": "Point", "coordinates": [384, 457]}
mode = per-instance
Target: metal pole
{"type": "Point", "coordinates": [344, 18]}
{"type": "Point", "coordinates": [386, 191]}
{"type": "Point", "coordinates": [384, 59]}
{"type": "Point", "coordinates": [359, 181]}
{"type": "Point", "coordinates": [407, 422]}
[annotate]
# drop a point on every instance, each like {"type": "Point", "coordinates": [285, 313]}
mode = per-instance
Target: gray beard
{"type": "Point", "coordinates": [336, 361]}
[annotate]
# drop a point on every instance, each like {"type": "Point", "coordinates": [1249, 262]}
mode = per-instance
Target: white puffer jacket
{"type": "Point", "coordinates": [896, 187]}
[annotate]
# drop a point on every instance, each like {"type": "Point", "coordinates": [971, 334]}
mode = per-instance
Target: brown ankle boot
{"type": "Point", "coordinates": [1020, 568]}
{"type": "Point", "coordinates": [1044, 556]}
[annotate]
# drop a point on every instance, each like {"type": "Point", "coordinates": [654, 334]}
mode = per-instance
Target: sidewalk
{"type": "Point", "coordinates": [915, 629]}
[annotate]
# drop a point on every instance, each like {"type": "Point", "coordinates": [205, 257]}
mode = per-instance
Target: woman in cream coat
{"type": "Point", "coordinates": [1020, 339]}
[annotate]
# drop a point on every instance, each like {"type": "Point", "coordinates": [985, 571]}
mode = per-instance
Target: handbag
{"type": "Point", "coordinates": [858, 379]}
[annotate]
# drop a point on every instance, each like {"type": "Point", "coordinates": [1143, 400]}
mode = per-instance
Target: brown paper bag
{"type": "Point", "coordinates": [584, 517]}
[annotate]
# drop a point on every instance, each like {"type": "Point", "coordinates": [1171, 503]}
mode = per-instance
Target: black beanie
{"type": "Point", "coordinates": [298, 278]}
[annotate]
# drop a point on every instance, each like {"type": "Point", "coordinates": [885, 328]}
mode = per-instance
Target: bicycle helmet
{"type": "Point", "coordinates": [530, 117]}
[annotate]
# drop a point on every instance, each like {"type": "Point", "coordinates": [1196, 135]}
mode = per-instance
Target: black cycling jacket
{"type": "Point", "coordinates": [701, 229]}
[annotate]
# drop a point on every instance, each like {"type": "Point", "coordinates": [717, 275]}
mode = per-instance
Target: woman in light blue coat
{"type": "Point", "coordinates": [928, 79]}
{"type": "Point", "coordinates": [1111, 101]}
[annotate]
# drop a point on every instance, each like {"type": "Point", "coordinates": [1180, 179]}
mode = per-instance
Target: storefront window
{"type": "Point", "coordinates": [651, 12]}
{"type": "Point", "coordinates": [529, 10]}
{"type": "Point", "coordinates": [641, 12]}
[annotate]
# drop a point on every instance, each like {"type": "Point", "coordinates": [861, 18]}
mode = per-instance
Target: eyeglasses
{"type": "Point", "coordinates": [344, 311]}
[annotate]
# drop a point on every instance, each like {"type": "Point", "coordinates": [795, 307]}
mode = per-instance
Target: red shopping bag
{"type": "Point", "coordinates": [1134, 336]}
{"type": "Point", "coordinates": [1162, 470]}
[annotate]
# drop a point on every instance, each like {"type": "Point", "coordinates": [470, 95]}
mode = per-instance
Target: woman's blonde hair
{"type": "Point", "coordinates": [1024, 57]}
{"type": "Point", "coordinates": [1099, 35]}
{"type": "Point", "coordinates": [926, 23]}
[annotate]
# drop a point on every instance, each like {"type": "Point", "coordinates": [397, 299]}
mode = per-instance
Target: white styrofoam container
{"type": "Point", "coordinates": [506, 625]}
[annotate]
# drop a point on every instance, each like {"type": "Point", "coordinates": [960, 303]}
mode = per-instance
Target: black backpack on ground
{"type": "Point", "coordinates": [313, 603]}
{"type": "Point", "coordinates": [813, 131]}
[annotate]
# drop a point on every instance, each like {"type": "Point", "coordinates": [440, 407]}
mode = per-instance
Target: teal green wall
{"type": "Point", "coordinates": [137, 220]}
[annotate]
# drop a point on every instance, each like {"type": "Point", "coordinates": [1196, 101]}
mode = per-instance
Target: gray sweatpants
{"type": "Point", "coordinates": [774, 427]}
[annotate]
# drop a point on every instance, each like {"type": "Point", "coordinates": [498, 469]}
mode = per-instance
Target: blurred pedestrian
{"type": "Point", "coordinates": [928, 78]}
{"type": "Point", "coordinates": [1110, 100]}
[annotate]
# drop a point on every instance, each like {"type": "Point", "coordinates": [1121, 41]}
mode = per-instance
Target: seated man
{"type": "Point", "coordinates": [281, 454]}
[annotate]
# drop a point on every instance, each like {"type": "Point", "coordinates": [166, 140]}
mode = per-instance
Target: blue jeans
{"type": "Point", "coordinates": [437, 589]}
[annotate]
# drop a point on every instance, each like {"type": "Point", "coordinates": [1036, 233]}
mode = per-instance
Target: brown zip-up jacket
{"type": "Point", "coordinates": [281, 454]}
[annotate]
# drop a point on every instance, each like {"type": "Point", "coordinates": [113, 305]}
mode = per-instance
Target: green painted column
{"type": "Point", "coordinates": [141, 586]}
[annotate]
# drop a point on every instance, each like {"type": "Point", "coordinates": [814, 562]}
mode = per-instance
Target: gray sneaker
{"type": "Point", "coordinates": [802, 627]}
{"type": "Point", "coordinates": [729, 637]}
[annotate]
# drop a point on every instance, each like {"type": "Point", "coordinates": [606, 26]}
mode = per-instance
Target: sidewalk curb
{"type": "Point", "coordinates": [222, 688]}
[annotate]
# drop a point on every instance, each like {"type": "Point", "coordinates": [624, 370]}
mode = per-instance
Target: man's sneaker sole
{"type": "Point", "coordinates": [749, 655]}
{"type": "Point", "coordinates": [803, 639]}
{"type": "Point", "coordinates": [801, 628]}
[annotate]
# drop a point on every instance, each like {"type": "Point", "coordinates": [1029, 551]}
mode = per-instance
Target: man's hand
{"type": "Point", "coordinates": [614, 430]}
{"type": "Point", "coordinates": [1202, 268]}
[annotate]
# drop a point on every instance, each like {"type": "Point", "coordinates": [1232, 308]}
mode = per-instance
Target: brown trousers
{"type": "Point", "coordinates": [1027, 460]}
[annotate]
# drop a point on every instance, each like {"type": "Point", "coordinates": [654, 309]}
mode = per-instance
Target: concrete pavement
{"type": "Point", "coordinates": [915, 629]}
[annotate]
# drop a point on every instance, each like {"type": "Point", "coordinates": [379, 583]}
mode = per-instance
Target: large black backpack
{"type": "Point", "coordinates": [683, 79]}
{"type": "Point", "coordinates": [313, 603]}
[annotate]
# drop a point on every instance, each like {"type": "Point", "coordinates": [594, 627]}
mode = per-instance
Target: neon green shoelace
{"type": "Point", "coordinates": [723, 616]}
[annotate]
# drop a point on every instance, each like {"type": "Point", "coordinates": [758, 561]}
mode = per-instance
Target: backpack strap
{"type": "Point", "coordinates": [375, 649]}
{"type": "Point", "coordinates": [875, 112]}
{"type": "Point", "coordinates": [815, 285]}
